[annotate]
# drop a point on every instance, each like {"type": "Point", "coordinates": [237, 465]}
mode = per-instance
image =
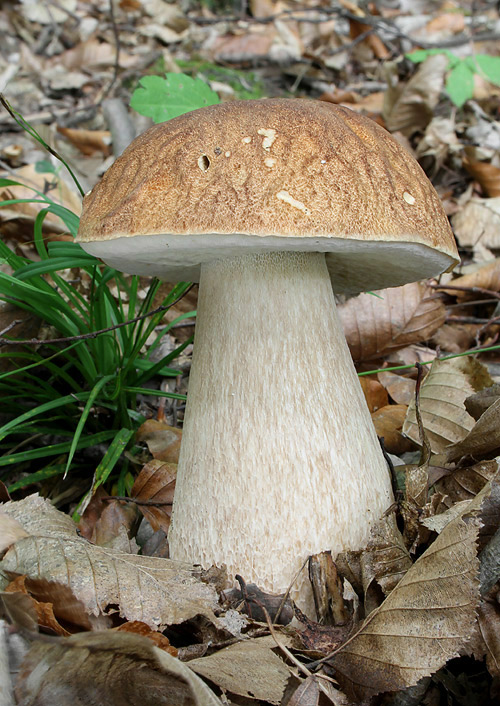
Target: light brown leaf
{"type": "Point", "coordinates": [487, 277]}
{"type": "Point", "coordinates": [375, 394]}
{"type": "Point", "coordinates": [465, 483]}
{"type": "Point", "coordinates": [388, 423]}
{"type": "Point", "coordinates": [88, 141]}
{"type": "Point", "coordinates": [442, 401]}
{"type": "Point", "coordinates": [10, 531]}
{"type": "Point", "coordinates": [156, 484]}
{"type": "Point", "coordinates": [421, 624]}
{"type": "Point", "coordinates": [482, 439]}
{"type": "Point", "coordinates": [157, 591]}
{"type": "Point", "coordinates": [395, 318]}
{"type": "Point", "coordinates": [163, 441]}
{"type": "Point", "coordinates": [112, 668]}
{"type": "Point", "coordinates": [401, 389]}
{"type": "Point", "coordinates": [477, 226]}
{"type": "Point", "coordinates": [485, 173]}
{"type": "Point", "coordinates": [248, 668]}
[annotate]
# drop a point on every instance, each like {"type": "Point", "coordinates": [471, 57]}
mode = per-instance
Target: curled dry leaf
{"type": "Point", "coordinates": [442, 401]}
{"type": "Point", "coordinates": [412, 108]}
{"type": "Point", "coordinates": [88, 141]}
{"type": "Point", "coordinates": [465, 483]}
{"type": "Point", "coordinates": [485, 173]}
{"type": "Point", "coordinates": [388, 423]}
{"type": "Point", "coordinates": [477, 226]}
{"type": "Point", "coordinates": [248, 668]}
{"type": "Point", "coordinates": [482, 439]}
{"type": "Point", "coordinates": [157, 591]}
{"type": "Point", "coordinates": [375, 394]}
{"type": "Point", "coordinates": [486, 277]}
{"type": "Point", "coordinates": [163, 441]}
{"type": "Point", "coordinates": [478, 403]}
{"type": "Point", "coordinates": [401, 389]}
{"type": "Point", "coordinates": [424, 621]}
{"type": "Point", "coordinates": [10, 531]}
{"type": "Point", "coordinates": [108, 668]}
{"type": "Point", "coordinates": [155, 484]}
{"type": "Point", "coordinates": [394, 318]}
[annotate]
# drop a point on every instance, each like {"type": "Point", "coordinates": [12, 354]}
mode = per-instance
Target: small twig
{"type": "Point", "coordinates": [116, 66]}
{"type": "Point", "coordinates": [92, 334]}
{"type": "Point", "coordinates": [150, 503]}
{"type": "Point", "coordinates": [473, 290]}
{"type": "Point", "coordinates": [8, 328]}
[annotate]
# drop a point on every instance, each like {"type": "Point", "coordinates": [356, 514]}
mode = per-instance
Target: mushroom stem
{"type": "Point", "coordinates": [279, 456]}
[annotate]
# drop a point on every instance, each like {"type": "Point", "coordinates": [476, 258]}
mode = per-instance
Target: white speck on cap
{"type": "Point", "coordinates": [269, 137]}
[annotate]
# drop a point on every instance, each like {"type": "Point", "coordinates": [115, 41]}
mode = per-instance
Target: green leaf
{"type": "Point", "coordinates": [489, 66]}
{"type": "Point", "coordinates": [43, 166]}
{"type": "Point", "coordinates": [422, 54]}
{"type": "Point", "coordinates": [460, 84]}
{"type": "Point", "coordinates": [165, 98]}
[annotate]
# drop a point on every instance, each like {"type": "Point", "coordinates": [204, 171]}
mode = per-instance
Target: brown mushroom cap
{"type": "Point", "coordinates": [267, 175]}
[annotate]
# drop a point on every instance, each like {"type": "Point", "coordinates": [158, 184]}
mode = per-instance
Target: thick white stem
{"type": "Point", "coordinates": [279, 456]}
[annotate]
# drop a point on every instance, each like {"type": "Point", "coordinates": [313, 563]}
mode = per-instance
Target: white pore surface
{"type": "Point", "coordinates": [279, 456]}
{"type": "Point", "coordinates": [355, 265]}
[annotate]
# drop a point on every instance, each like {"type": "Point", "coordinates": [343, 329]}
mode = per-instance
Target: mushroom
{"type": "Point", "coordinates": [268, 204]}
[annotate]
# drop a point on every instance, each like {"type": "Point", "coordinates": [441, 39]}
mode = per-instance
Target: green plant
{"type": "Point", "coordinates": [78, 388]}
{"type": "Point", "coordinates": [460, 79]}
{"type": "Point", "coordinates": [165, 98]}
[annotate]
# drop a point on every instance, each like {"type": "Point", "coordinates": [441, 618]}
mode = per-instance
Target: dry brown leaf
{"type": "Point", "coordinates": [137, 627]}
{"type": "Point", "coordinates": [375, 394]}
{"type": "Point", "coordinates": [455, 338]}
{"type": "Point", "coordinates": [388, 423]}
{"type": "Point", "coordinates": [482, 439]}
{"type": "Point", "coordinates": [163, 441]}
{"type": "Point", "coordinates": [156, 484]}
{"type": "Point", "coordinates": [93, 54]}
{"type": "Point", "coordinates": [108, 522]}
{"type": "Point", "coordinates": [394, 318]}
{"type": "Point", "coordinates": [88, 141]}
{"type": "Point", "coordinates": [246, 47]}
{"type": "Point", "coordinates": [486, 277]}
{"type": "Point", "coordinates": [487, 641]}
{"type": "Point", "coordinates": [248, 668]}
{"type": "Point", "coordinates": [477, 226]}
{"type": "Point", "coordinates": [424, 621]}
{"type": "Point", "coordinates": [108, 668]}
{"type": "Point", "coordinates": [356, 28]}
{"type": "Point", "coordinates": [376, 570]}
{"type": "Point", "coordinates": [53, 602]}
{"type": "Point", "coordinates": [485, 173]}
{"type": "Point", "coordinates": [10, 532]}
{"type": "Point", "coordinates": [442, 401]}
{"type": "Point", "coordinates": [401, 389]}
{"type": "Point", "coordinates": [157, 591]}
{"type": "Point", "coordinates": [449, 22]}
{"type": "Point", "coordinates": [412, 108]}
{"type": "Point", "coordinates": [465, 483]}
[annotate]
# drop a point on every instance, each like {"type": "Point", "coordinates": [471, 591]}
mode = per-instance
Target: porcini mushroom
{"type": "Point", "coordinates": [268, 204]}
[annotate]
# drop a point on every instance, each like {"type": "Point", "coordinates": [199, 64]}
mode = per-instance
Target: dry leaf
{"type": "Point", "coordinates": [424, 621]}
{"type": "Point", "coordinates": [88, 141]}
{"type": "Point", "coordinates": [486, 277]}
{"type": "Point", "coordinates": [137, 627]}
{"type": "Point", "coordinates": [483, 438]}
{"type": "Point", "coordinates": [448, 22]}
{"type": "Point", "coordinates": [388, 423]}
{"type": "Point", "coordinates": [163, 442]}
{"type": "Point", "coordinates": [108, 668]}
{"type": "Point", "coordinates": [375, 394]}
{"type": "Point", "coordinates": [401, 389]}
{"type": "Point", "coordinates": [442, 397]}
{"type": "Point", "coordinates": [157, 591]}
{"type": "Point", "coordinates": [248, 668]}
{"type": "Point", "coordinates": [394, 318]}
{"type": "Point", "coordinates": [465, 483]}
{"type": "Point", "coordinates": [485, 173]}
{"type": "Point", "coordinates": [10, 532]}
{"type": "Point", "coordinates": [477, 225]}
{"type": "Point", "coordinates": [156, 484]}
{"type": "Point", "coordinates": [478, 403]}
{"type": "Point", "coordinates": [413, 108]}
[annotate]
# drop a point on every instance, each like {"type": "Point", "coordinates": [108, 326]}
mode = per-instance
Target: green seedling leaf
{"type": "Point", "coordinates": [489, 66]}
{"type": "Point", "coordinates": [165, 98]}
{"type": "Point", "coordinates": [460, 84]}
{"type": "Point", "coordinates": [422, 54]}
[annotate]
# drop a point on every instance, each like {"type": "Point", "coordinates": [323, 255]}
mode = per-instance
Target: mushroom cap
{"type": "Point", "coordinates": [269, 175]}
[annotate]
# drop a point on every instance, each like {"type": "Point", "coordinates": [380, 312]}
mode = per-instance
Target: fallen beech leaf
{"type": "Point", "coordinates": [477, 225]}
{"type": "Point", "coordinates": [442, 397]}
{"type": "Point", "coordinates": [310, 691]}
{"type": "Point", "coordinates": [401, 389]}
{"type": "Point", "coordinates": [109, 668]}
{"type": "Point", "coordinates": [163, 441]}
{"type": "Point", "coordinates": [53, 602]}
{"type": "Point", "coordinates": [248, 668]}
{"type": "Point", "coordinates": [485, 173]}
{"type": "Point", "coordinates": [155, 484]}
{"type": "Point", "coordinates": [448, 22]}
{"type": "Point", "coordinates": [375, 394]}
{"type": "Point", "coordinates": [157, 591]}
{"type": "Point", "coordinates": [388, 423]}
{"type": "Point", "coordinates": [465, 483]}
{"type": "Point", "coordinates": [486, 277]}
{"type": "Point", "coordinates": [412, 108]}
{"type": "Point", "coordinates": [10, 531]}
{"type": "Point", "coordinates": [424, 621]}
{"type": "Point", "coordinates": [483, 438]}
{"type": "Point", "coordinates": [88, 141]}
{"type": "Point", "coordinates": [137, 627]}
{"type": "Point", "coordinates": [395, 318]}
{"type": "Point", "coordinates": [487, 640]}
